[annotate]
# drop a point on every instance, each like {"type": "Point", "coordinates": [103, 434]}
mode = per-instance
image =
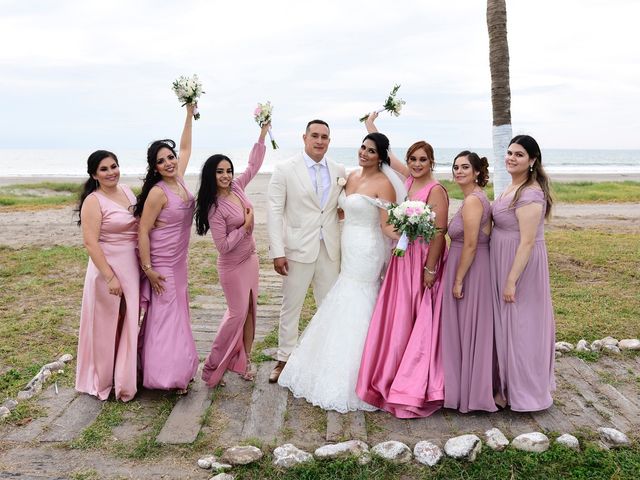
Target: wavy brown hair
{"type": "Point", "coordinates": [426, 147]}
{"type": "Point", "coordinates": [535, 174]}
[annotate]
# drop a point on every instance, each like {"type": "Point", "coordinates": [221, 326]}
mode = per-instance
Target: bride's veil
{"type": "Point", "coordinates": [401, 196]}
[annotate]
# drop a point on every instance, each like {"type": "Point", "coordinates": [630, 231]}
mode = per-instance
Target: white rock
{"type": "Point", "coordinates": [10, 404]}
{"type": "Point", "coordinates": [220, 467]}
{"type": "Point", "coordinates": [223, 476]}
{"type": "Point", "coordinates": [288, 455]}
{"type": "Point", "coordinates": [46, 374]}
{"type": "Point", "coordinates": [613, 438]}
{"type": "Point", "coordinates": [465, 446]}
{"type": "Point", "coordinates": [67, 357]}
{"type": "Point", "coordinates": [582, 346]}
{"type": "Point", "coordinates": [427, 453]}
{"type": "Point", "coordinates": [609, 341]}
{"type": "Point", "coordinates": [496, 440]}
{"type": "Point", "coordinates": [205, 462]}
{"type": "Point", "coordinates": [569, 441]}
{"type": "Point", "coordinates": [564, 347]}
{"type": "Point", "coordinates": [629, 344]}
{"type": "Point", "coordinates": [352, 448]}
{"type": "Point", "coordinates": [393, 451]}
{"type": "Point", "coordinates": [53, 366]}
{"type": "Point", "coordinates": [596, 345]}
{"type": "Point", "coordinates": [26, 394]}
{"type": "Point", "coordinates": [610, 348]}
{"type": "Point", "coordinates": [558, 354]}
{"type": "Point", "coordinates": [364, 459]}
{"type": "Point", "coordinates": [241, 455]}
{"type": "Point", "coordinates": [531, 442]}
{"type": "Point", "coordinates": [4, 412]}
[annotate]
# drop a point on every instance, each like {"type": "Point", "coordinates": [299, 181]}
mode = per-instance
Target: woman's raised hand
{"type": "Point", "coordinates": [264, 130]}
{"type": "Point", "coordinates": [369, 122]}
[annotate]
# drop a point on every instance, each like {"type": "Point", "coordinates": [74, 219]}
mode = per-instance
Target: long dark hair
{"type": "Point", "coordinates": [479, 164]}
{"type": "Point", "coordinates": [208, 191]}
{"type": "Point", "coordinates": [153, 176]}
{"type": "Point", "coordinates": [91, 185]}
{"type": "Point", "coordinates": [534, 174]}
{"type": "Point", "coordinates": [382, 145]}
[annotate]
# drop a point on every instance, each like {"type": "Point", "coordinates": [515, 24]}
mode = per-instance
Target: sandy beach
{"type": "Point", "coordinates": [58, 226]}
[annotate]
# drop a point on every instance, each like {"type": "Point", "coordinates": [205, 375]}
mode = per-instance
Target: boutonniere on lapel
{"type": "Point", "coordinates": [341, 181]}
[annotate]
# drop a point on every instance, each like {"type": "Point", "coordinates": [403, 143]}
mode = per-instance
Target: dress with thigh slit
{"type": "Point", "coordinates": [108, 335]}
{"type": "Point", "coordinates": [238, 272]}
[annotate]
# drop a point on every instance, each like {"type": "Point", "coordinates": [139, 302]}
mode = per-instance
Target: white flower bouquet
{"type": "Point", "coordinates": [393, 105]}
{"type": "Point", "coordinates": [414, 219]}
{"type": "Point", "coordinates": [188, 90]}
{"type": "Point", "coordinates": [262, 115]}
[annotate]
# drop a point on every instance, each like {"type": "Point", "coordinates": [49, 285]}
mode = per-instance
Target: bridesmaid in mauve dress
{"type": "Point", "coordinates": [223, 206]}
{"type": "Point", "coordinates": [107, 344]}
{"type": "Point", "coordinates": [467, 307]}
{"type": "Point", "coordinates": [169, 359]}
{"type": "Point", "coordinates": [523, 315]}
{"type": "Point", "coordinates": [401, 368]}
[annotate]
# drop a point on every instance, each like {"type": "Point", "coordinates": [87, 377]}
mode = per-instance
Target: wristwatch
{"type": "Point", "coordinates": [145, 267]}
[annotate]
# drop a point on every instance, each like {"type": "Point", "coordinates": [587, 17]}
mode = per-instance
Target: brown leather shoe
{"type": "Point", "coordinates": [277, 370]}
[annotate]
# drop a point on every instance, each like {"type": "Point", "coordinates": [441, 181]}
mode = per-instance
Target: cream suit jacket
{"type": "Point", "coordinates": [295, 217]}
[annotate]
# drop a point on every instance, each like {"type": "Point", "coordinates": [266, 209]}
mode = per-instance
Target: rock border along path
{"type": "Point", "coordinates": [589, 396]}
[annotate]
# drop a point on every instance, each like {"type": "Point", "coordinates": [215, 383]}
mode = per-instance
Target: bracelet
{"type": "Point", "coordinates": [430, 272]}
{"type": "Point", "coordinates": [112, 277]}
{"type": "Point", "coordinates": [145, 267]}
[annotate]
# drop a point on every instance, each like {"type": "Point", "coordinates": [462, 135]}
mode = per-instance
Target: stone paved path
{"type": "Point", "coordinates": [589, 395]}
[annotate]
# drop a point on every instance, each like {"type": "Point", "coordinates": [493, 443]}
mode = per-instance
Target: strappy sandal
{"type": "Point", "coordinates": [249, 375]}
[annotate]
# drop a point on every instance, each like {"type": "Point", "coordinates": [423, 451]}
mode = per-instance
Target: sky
{"type": "Point", "coordinates": [98, 74]}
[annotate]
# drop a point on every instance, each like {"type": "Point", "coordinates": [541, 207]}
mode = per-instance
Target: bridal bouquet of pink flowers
{"type": "Point", "coordinates": [413, 219]}
{"type": "Point", "coordinates": [262, 115]}
{"type": "Point", "coordinates": [188, 90]}
{"type": "Point", "coordinates": [393, 105]}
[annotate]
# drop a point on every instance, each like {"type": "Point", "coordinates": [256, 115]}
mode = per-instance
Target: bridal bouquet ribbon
{"type": "Point", "coordinates": [393, 105]}
{"type": "Point", "coordinates": [262, 115]}
{"type": "Point", "coordinates": [188, 90]}
{"type": "Point", "coordinates": [413, 219]}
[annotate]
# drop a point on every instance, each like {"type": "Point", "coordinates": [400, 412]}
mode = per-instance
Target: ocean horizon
{"type": "Point", "coordinates": [72, 162]}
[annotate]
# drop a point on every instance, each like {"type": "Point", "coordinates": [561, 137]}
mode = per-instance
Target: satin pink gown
{"type": "Point", "coordinates": [107, 344]}
{"type": "Point", "coordinates": [169, 359]}
{"type": "Point", "coordinates": [467, 323]}
{"type": "Point", "coordinates": [401, 368]}
{"type": "Point", "coordinates": [525, 329]}
{"type": "Point", "coordinates": [238, 272]}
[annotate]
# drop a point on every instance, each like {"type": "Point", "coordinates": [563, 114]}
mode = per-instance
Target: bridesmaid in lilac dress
{"type": "Point", "coordinates": [401, 368]}
{"type": "Point", "coordinates": [223, 206]}
{"type": "Point", "coordinates": [169, 359]}
{"type": "Point", "coordinates": [107, 344]}
{"type": "Point", "coordinates": [523, 315]}
{"type": "Point", "coordinates": [467, 308]}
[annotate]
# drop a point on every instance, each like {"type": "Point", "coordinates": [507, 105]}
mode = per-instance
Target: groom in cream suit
{"type": "Point", "coordinates": [304, 235]}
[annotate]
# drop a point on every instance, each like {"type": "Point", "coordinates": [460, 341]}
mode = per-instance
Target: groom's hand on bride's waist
{"type": "Point", "coordinates": [281, 265]}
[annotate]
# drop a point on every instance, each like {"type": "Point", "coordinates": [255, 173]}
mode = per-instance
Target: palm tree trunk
{"type": "Point", "coordinates": [500, 90]}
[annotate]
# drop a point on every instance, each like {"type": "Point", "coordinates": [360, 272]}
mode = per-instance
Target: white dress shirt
{"type": "Point", "coordinates": [324, 171]}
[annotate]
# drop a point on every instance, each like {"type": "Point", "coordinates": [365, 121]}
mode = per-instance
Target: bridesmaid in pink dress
{"type": "Point", "coordinates": [467, 308]}
{"type": "Point", "coordinates": [223, 206]}
{"type": "Point", "coordinates": [522, 311]}
{"type": "Point", "coordinates": [169, 359]}
{"type": "Point", "coordinates": [401, 368]}
{"type": "Point", "coordinates": [107, 345]}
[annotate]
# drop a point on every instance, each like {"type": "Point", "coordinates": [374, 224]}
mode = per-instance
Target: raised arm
{"type": "Point", "coordinates": [185, 141]}
{"type": "Point", "coordinates": [152, 208]}
{"type": "Point", "coordinates": [439, 201]}
{"type": "Point", "coordinates": [256, 157]}
{"type": "Point", "coordinates": [91, 221]}
{"type": "Point", "coordinates": [471, 216]}
{"type": "Point", "coordinates": [528, 218]}
{"type": "Point", "coordinates": [397, 164]}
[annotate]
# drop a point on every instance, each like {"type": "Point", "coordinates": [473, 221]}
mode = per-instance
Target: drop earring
{"type": "Point", "coordinates": [531, 167]}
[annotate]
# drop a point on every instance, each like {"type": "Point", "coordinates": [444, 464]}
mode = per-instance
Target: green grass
{"type": "Point", "coordinates": [595, 283]}
{"type": "Point", "coordinates": [39, 195]}
{"type": "Point", "coordinates": [100, 431]}
{"type": "Point", "coordinates": [575, 192]}
{"type": "Point", "coordinates": [40, 295]}
{"type": "Point", "coordinates": [557, 463]}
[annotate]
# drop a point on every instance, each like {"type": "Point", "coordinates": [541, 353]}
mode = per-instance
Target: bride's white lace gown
{"type": "Point", "coordinates": [323, 368]}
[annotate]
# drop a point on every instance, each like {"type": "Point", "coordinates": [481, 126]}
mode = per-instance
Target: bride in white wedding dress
{"type": "Point", "coordinates": [323, 368]}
